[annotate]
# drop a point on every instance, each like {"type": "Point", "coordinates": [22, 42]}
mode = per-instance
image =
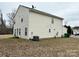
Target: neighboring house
{"type": "Point", "coordinates": [64, 30]}
{"type": "Point", "coordinates": [75, 30]}
{"type": "Point", "coordinates": [30, 22]}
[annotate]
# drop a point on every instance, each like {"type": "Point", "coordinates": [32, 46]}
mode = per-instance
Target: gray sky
{"type": "Point", "coordinates": [68, 10]}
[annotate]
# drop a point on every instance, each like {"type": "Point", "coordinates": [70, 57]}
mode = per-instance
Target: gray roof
{"type": "Point", "coordinates": [76, 27]}
{"type": "Point", "coordinates": [41, 12]}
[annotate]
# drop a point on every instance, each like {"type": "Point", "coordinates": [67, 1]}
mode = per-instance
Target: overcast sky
{"type": "Point", "coordinates": [68, 10]}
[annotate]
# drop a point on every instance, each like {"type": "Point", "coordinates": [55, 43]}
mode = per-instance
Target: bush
{"type": "Point", "coordinates": [66, 35]}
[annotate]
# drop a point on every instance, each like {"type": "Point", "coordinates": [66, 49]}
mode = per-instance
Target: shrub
{"type": "Point", "coordinates": [66, 35]}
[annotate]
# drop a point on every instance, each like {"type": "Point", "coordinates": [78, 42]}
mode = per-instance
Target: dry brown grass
{"type": "Point", "coordinates": [44, 48]}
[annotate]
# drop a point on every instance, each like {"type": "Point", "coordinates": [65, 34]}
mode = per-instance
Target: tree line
{"type": "Point", "coordinates": [6, 29]}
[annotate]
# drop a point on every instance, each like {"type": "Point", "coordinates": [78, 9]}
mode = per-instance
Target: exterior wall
{"type": "Point", "coordinates": [58, 25]}
{"type": "Point", "coordinates": [39, 25]}
{"type": "Point", "coordinates": [22, 13]}
{"type": "Point", "coordinates": [64, 30]}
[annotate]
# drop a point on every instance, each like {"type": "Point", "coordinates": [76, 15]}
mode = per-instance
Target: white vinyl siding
{"type": "Point", "coordinates": [22, 13]}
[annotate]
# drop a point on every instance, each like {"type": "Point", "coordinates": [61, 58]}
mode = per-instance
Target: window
{"type": "Point", "coordinates": [21, 19]}
{"type": "Point", "coordinates": [19, 31]}
{"type": "Point", "coordinates": [26, 31]}
{"type": "Point", "coordinates": [57, 34]}
{"type": "Point", "coordinates": [49, 30]}
{"type": "Point", "coordinates": [52, 21]}
{"type": "Point", "coordinates": [14, 22]}
{"type": "Point", "coordinates": [31, 33]}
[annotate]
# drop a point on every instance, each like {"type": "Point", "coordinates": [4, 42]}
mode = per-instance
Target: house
{"type": "Point", "coordinates": [75, 30]}
{"type": "Point", "coordinates": [30, 22]}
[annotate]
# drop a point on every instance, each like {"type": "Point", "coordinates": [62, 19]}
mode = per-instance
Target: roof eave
{"type": "Point", "coordinates": [40, 12]}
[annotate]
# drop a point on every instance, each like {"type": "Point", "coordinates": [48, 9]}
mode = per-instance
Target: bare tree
{"type": "Point", "coordinates": [11, 16]}
{"type": "Point", "coordinates": [2, 24]}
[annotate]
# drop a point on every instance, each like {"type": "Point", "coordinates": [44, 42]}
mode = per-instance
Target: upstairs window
{"type": "Point", "coordinates": [13, 22]}
{"type": "Point", "coordinates": [21, 19]}
{"type": "Point", "coordinates": [52, 21]}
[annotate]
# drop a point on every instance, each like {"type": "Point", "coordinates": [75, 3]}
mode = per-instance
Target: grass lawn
{"type": "Point", "coordinates": [55, 47]}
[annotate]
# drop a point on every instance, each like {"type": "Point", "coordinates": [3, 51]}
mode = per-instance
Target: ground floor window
{"type": "Point", "coordinates": [49, 30]}
{"type": "Point", "coordinates": [25, 31]}
{"type": "Point", "coordinates": [19, 31]}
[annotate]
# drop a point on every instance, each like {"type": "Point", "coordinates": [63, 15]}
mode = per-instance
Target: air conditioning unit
{"type": "Point", "coordinates": [35, 38]}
